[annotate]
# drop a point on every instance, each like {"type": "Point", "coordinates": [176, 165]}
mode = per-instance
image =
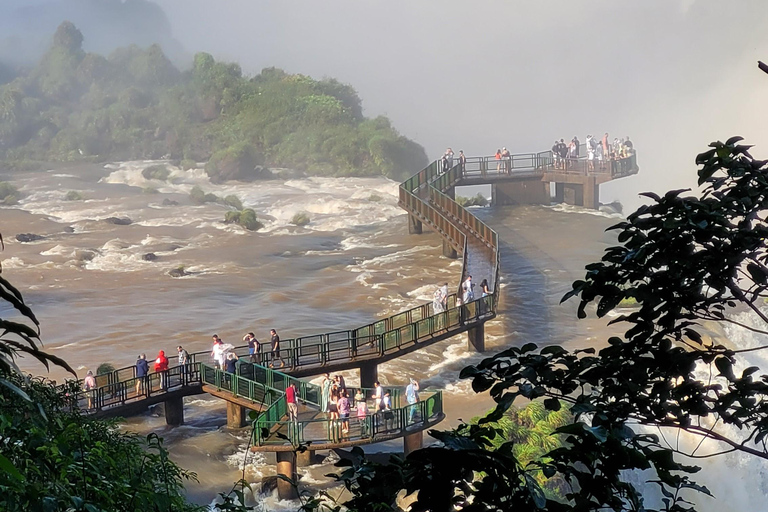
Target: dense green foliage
{"type": "Point", "coordinates": [198, 196]}
{"type": "Point", "coordinates": [73, 195]}
{"type": "Point", "coordinates": [477, 200]}
{"type": "Point", "coordinates": [8, 193]}
{"type": "Point", "coordinates": [300, 219]}
{"type": "Point", "coordinates": [245, 218]}
{"type": "Point", "coordinates": [135, 104]}
{"type": "Point", "coordinates": [156, 172]}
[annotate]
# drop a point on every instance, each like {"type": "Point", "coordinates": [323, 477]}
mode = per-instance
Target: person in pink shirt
{"type": "Point", "coordinates": [344, 410]}
{"type": "Point", "coordinates": [290, 399]}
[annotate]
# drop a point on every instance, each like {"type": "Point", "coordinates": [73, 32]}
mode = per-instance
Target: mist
{"type": "Point", "coordinates": [671, 75]}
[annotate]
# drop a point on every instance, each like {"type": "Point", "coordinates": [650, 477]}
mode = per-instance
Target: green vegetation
{"type": "Point", "coordinates": [134, 104]}
{"type": "Point", "coordinates": [300, 219]}
{"type": "Point", "coordinates": [149, 190]}
{"type": "Point", "coordinates": [478, 200]}
{"type": "Point", "coordinates": [73, 195]}
{"type": "Point", "coordinates": [375, 198]}
{"type": "Point", "coordinates": [8, 193]}
{"type": "Point", "coordinates": [198, 196]}
{"type": "Point", "coordinates": [156, 172]}
{"type": "Point", "coordinates": [233, 201]}
{"type": "Point", "coordinates": [187, 164]}
{"type": "Point", "coordinates": [245, 218]}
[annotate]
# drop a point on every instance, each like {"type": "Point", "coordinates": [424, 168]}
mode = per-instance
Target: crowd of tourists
{"type": "Point", "coordinates": [598, 151]}
{"type": "Point", "coordinates": [440, 297]}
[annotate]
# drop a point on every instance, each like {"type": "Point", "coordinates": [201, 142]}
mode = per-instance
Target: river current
{"type": "Point", "coordinates": [98, 300]}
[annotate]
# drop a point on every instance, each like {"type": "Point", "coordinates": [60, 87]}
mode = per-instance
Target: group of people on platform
{"type": "Point", "coordinates": [440, 297]}
{"type": "Point", "coordinates": [447, 160]}
{"type": "Point", "coordinates": [599, 151]}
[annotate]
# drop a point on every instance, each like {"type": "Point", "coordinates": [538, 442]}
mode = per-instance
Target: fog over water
{"type": "Point", "coordinates": [671, 74]}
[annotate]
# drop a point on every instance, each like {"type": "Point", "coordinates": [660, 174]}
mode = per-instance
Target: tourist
{"type": "Point", "coordinates": [484, 288]}
{"type": "Point", "coordinates": [468, 294]}
{"type": "Point", "coordinates": [183, 355]}
{"type": "Point", "coordinates": [556, 154]}
{"type": "Point", "coordinates": [290, 399]}
{"type": "Point", "coordinates": [275, 342]}
{"type": "Point", "coordinates": [437, 301]}
{"type": "Point", "coordinates": [344, 409]}
{"type": "Point", "coordinates": [563, 150]}
{"type": "Point", "coordinates": [325, 393]}
{"type": "Point", "coordinates": [628, 144]}
{"type": "Point", "coordinates": [444, 293]}
{"type": "Point", "coordinates": [412, 396]}
{"type": "Point", "coordinates": [89, 384]}
{"type": "Point", "coordinates": [605, 146]}
{"type": "Point", "coordinates": [498, 160]}
{"type": "Point", "coordinates": [576, 147]}
{"type": "Point", "coordinates": [340, 382]}
{"type": "Point", "coordinates": [161, 367]}
{"type": "Point", "coordinates": [254, 349]}
{"type": "Point", "coordinates": [386, 407]}
{"type": "Point", "coordinates": [462, 161]}
{"type": "Point", "coordinates": [218, 353]}
{"type": "Point", "coordinates": [449, 157]}
{"type": "Point", "coordinates": [377, 397]}
{"type": "Point", "coordinates": [142, 370]}
{"type": "Point", "coordinates": [230, 365]}
{"type": "Point", "coordinates": [362, 410]}
{"type": "Point", "coordinates": [333, 405]}
{"type": "Point", "coordinates": [506, 157]}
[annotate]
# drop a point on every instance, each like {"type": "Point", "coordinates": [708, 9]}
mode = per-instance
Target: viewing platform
{"type": "Point", "coordinates": [428, 197]}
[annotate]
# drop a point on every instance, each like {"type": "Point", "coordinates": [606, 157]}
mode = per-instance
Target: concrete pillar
{"type": "Point", "coordinates": [413, 442]}
{"type": "Point", "coordinates": [305, 458]}
{"type": "Point", "coordinates": [476, 338]}
{"type": "Point", "coordinates": [286, 466]}
{"type": "Point", "coordinates": [174, 411]}
{"type": "Point", "coordinates": [448, 250]}
{"type": "Point", "coordinates": [573, 194]}
{"type": "Point", "coordinates": [369, 373]}
{"type": "Point", "coordinates": [559, 192]}
{"type": "Point", "coordinates": [414, 225]}
{"type": "Point", "coordinates": [521, 192]}
{"type": "Point", "coordinates": [591, 194]}
{"type": "Point", "coordinates": [236, 415]}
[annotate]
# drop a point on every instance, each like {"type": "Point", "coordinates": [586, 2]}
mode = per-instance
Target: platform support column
{"type": "Point", "coordinates": [414, 225]}
{"type": "Point", "coordinates": [236, 415]}
{"type": "Point", "coordinates": [591, 194]}
{"type": "Point", "coordinates": [476, 338]}
{"type": "Point", "coordinates": [369, 373]}
{"type": "Point", "coordinates": [286, 466]}
{"type": "Point", "coordinates": [559, 193]}
{"type": "Point", "coordinates": [305, 458]}
{"type": "Point", "coordinates": [448, 250]}
{"type": "Point", "coordinates": [174, 411]}
{"type": "Point", "coordinates": [413, 442]}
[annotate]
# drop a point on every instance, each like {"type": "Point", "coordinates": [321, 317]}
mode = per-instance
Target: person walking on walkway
{"type": "Point", "coordinates": [344, 410]}
{"type": "Point", "coordinates": [254, 349]}
{"type": "Point", "coordinates": [412, 396]}
{"type": "Point", "coordinates": [142, 370]}
{"type": "Point", "coordinates": [290, 399]}
{"type": "Point", "coordinates": [468, 294]}
{"type": "Point", "coordinates": [161, 367]}
{"type": "Point", "coordinates": [386, 407]}
{"type": "Point", "coordinates": [89, 384]}
{"type": "Point", "coordinates": [378, 394]}
{"type": "Point", "coordinates": [275, 342]}
{"type": "Point", "coordinates": [218, 353]}
{"type": "Point", "coordinates": [362, 410]}
{"type": "Point", "coordinates": [325, 393]}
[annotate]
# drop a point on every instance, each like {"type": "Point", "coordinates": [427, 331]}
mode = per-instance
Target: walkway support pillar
{"type": "Point", "coordinates": [236, 415]}
{"type": "Point", "coordinates": [591, 194]}
{"type": "Point", "coordinates": [414, 225]}
{"type": "Point", "coordinates": [369, 373]}
{"type": "Point", "coordinates": [559, 193]}
{"type": "Point", "coordinates": [448, 250]}
{"type": "Point", "coordinates": [174, 411]}
{"type": "Point", "coordinates": [305, 458]}
{"type": "Point", "coordinates": [413, 442]}
{"type": "Point", "coordinates": [286, 466]}
{"type": "Point", "coordinates": [476, 338]}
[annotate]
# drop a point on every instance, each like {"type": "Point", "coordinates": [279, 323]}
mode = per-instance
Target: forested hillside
{"type": "Point", "coordinates": [135, 104]}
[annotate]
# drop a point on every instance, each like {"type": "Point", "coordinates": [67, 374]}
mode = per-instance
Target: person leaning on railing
{"type": "Point", "coordinates": [142, 370]}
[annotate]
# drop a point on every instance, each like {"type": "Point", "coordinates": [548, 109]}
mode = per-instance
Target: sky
{"type": "Point", "coordinates": [673, 75]}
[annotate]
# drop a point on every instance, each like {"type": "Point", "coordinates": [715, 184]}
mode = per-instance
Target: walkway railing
{"type": "Point", "coordinates": [530, 164]}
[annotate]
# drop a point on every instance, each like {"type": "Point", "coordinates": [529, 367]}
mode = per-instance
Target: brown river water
{"type": "Point", "coordinates": [99, 301]}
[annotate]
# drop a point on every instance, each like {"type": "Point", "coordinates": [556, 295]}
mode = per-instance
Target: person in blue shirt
{"type": "Point", "coordinates": [412, 396]}
{"type": "Point", "coordinates": [142, 369]}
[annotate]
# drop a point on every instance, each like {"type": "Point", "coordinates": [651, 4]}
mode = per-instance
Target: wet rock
{"type": "Point", "coordinates": [150, 256]}
{"type": "Point", "coordinates": [178, 272]}
{"type": "Point", "coordinates": [69, 229]}
{"type": "Point", "coordinates": [120, 221]}
{"type": "Point", "coordinates": [29, 237]}
{"type": "Point", "coordinates": [170, 202]}
{"type": "Point", "coordinates": [83, 255]}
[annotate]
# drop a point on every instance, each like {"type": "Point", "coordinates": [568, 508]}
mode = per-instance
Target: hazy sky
{"type": "Point", "coordinates": [671, 74]}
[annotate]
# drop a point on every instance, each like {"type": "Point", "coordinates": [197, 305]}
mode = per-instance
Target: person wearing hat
{"type": "Point", "coordinates": [412, 396]}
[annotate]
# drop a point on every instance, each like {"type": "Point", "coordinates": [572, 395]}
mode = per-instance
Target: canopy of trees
{"type": "Point", "coordinates": [135, 104]}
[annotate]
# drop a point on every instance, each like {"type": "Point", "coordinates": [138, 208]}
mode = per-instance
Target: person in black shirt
{"type": "Point", "coordinates": [275, 341]}
{"type": "Point", "coordinates": [254, 349]}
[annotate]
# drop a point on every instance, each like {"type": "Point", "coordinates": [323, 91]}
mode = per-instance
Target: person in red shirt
{"type": "Point", "coordinates": [290, 399]}
{"type": "Point", "coordinates": [161, 367]}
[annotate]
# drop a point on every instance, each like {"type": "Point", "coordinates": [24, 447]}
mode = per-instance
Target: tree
{"type": "Point", "coordinates": [685, 259]}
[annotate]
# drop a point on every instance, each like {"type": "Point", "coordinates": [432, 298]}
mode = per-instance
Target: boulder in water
{"type": "Point", "coordinates": [170, 202]}
{"type": "Point", "coordinates": [69, 229]}
{"type": "Point", "coordinates": [84, 255]}
{"type": "Point", "coordinates": [29, 237]}
{"type": "Point", "coordinates": [120, 221]}
{"type": "Point", "coordinates": [150, 256]}
{"type": "Point", "coordinates": [178, 272]}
